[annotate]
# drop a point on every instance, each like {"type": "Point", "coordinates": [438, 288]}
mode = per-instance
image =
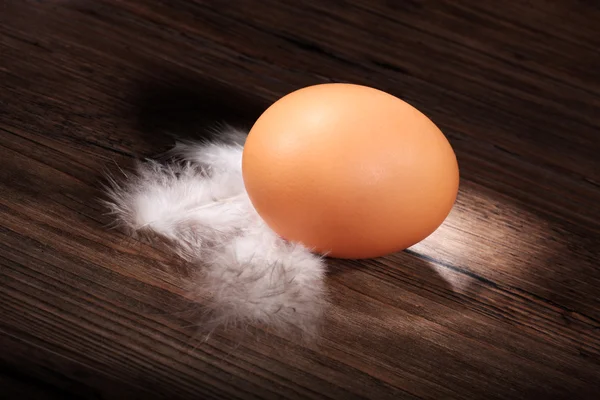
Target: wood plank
{"type": "Point", "coordinates": [500, 303]}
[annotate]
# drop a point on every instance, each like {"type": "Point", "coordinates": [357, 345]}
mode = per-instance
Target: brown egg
{"type": "Point", "coordinates": [349, 171]}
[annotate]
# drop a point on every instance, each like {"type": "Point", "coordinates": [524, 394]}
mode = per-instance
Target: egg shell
{"type": "Point", "coordinates": [349, 171]}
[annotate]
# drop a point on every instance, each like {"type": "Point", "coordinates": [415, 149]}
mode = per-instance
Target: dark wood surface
{"type": "Point", "coordinates": [502, 302]}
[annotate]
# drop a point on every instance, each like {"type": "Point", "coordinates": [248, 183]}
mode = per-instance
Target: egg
{"type": "Point", "coordinates": [349, 171]}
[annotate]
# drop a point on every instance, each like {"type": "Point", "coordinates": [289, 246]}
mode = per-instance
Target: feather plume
{"type": "Point", "coordinates": [197, 204]}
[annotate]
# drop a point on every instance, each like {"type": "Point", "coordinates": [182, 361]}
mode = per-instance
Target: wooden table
{"type": "Point", "coordinates": [502, 302]}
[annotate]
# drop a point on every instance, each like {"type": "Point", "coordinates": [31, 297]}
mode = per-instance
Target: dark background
{"type": "Point", "coordinates": [502, 302]}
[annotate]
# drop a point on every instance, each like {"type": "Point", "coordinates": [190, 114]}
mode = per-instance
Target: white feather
{"type": "Point", "coordinates": [199, 204]}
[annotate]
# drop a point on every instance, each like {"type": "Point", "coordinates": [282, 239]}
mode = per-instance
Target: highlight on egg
{"type": "Point", "coordinates": [349, 171]}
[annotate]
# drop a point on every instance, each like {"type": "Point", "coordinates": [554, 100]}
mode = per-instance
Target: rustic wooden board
{"type": "Point", "coordinates": [502, 302]}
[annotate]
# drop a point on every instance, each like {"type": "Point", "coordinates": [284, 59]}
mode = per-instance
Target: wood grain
{"type": "Point", "coordinates": [502, 302]}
